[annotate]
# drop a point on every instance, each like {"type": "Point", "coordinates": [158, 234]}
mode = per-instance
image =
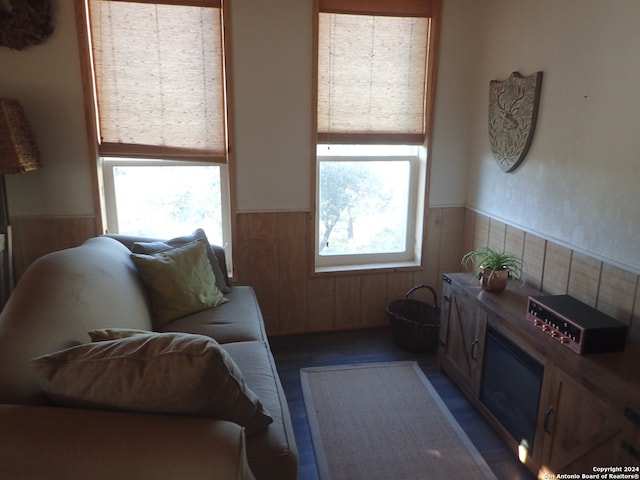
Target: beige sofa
{"type": "Point", "coordinates": [66, 294]}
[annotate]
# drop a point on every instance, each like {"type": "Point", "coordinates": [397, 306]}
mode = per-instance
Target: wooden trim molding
{"type": "Point", "coordinates": [91, 116]}
{"type": "Point", "coordinates": [402, 8]}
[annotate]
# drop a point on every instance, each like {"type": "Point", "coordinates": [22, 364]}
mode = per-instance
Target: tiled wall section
{"type": "Point", "coordinates": [557, 270]}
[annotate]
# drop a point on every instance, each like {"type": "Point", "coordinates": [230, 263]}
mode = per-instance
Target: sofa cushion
{"type": "Point", "coordinates": [271, 452]}
{"type": "Point", "coordinates": [159, 245]}
{"type": "Point", "coordinates": [236, 321]}
{"type": "Point", "coordinates": [171, 373]}
{"type": "Point", "coordinates": [179, 281]}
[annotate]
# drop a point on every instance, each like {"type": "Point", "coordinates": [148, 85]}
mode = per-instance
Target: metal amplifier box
{"type": "Point", "coordinates": [576, 325]}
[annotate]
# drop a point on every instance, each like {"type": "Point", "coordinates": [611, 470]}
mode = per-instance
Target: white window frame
{"type": "Point", "coordinates": [412, 255]}
{"type": "Point", "coordinates": [108, 164]}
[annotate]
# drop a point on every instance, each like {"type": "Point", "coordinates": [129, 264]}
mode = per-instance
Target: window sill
{"type": "Point", "coordinates": [368, 267]}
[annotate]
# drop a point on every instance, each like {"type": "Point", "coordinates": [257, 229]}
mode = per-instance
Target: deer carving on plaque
{"type": "Point", "coordinates": [513, 110]}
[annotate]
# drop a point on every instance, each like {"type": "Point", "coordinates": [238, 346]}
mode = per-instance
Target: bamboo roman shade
{"type": "Point", "coordinates": [159, 78]}
{"type": "Point", "coordinates": [372, 71]}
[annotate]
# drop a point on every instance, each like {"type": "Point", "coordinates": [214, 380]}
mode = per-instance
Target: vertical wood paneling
{"type": "Point", "coordinates": [617, 292]}
{"type": "Point", "coordinates": [584, 278]}
{"type": "Point", "coordinates": [432, 254]}
{"type": "Point", "coordinates": [34, 237]}
{"type": "Point", "coordinates": [556, 269]}
{"type": "Point", "coordinates": [497, 234]}
{"type": "Point", "coordinates": [242, 251]}
{"type": "Point", "coordinates": [260, 230]}
{"type": "Point", "coordinates": [264, 275]}
{"type": "Point", "coordinates": [427, 276]}
{"type": "Point", "coordinates": [433, 229]}
{"type": "Point", "coordinates": [321, 297]}
{"type": "Point", "coordinates": [514, 241]}
{"type": "Point", "coordinates": [451, 242]}
{"type": "Point", "coordinates": [373, 300]}
{"type": "Point", "coordinates": [481, 231]}
{"type": "Point", "coordinates": [535, 249]}
{"type": "Point", "coordinates": [468, 235]}
{"type": "Point", "coordinates": [347, 302]}
{"type": "Point", "coordinates": [293, 267]}
{"type": "Point", "coordinates": [398, 284]}
{"type": "Point", "coordinates": [272, 253]}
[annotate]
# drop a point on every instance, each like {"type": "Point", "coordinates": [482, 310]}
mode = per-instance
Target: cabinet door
{"type": "Point", "coordinates": [462, 340]}
{"type": "Point", "coordinates": [580, 430]}
{"type": "Point", "coordinates": [629, 451]}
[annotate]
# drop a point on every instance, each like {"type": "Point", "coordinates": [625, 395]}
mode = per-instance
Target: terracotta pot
{"type": "Point", "coordinates": [497, 282]}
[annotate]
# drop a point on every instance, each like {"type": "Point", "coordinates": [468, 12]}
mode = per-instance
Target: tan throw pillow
{"type": "Point", "coordinates": [105, 334]}
{"type": "Point", "coordinates": [172, 373]}
{"type": "Point", "coordinates": [179, 281]}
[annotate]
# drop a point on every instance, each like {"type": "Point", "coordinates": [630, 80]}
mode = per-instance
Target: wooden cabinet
{"type": "Point", "coordinates": [462, 334]}
{"type": "Point", "coordinates": [628, 452]}
{"type": "Point", "coordinates": [589, 407]}
{"type": "Point", "coordinates": [580, 431]}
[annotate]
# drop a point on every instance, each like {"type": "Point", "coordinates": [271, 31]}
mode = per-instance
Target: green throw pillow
{"type": "Point", "coordinates": [171, 373]}
{"type": "Point", "coordinates": [179, 281]}
{"type": "Point", "coordinates": [150, 248]}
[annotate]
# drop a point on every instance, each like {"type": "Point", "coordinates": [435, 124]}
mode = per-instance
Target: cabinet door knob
{"type": "Point", "coordinates": [474, 347]}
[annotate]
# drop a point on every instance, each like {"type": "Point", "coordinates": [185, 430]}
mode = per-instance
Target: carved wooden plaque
{"type": "Point", "coordinates": [513, 109]}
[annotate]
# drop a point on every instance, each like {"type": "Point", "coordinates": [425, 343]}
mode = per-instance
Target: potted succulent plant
{"type": "Point", "coordinates": [493, 268]}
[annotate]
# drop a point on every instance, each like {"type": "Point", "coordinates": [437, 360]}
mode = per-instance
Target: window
{"type": "Point", "coordinates": [156, 71]}
{"type": "Point", "coordinates": [365, 208]}
{"type": "Point", "coordinates": [170, 198]}
{"type": "Point", "coordinates": [372, 113]}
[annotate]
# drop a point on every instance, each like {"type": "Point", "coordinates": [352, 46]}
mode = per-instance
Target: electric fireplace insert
{"type": "Point", "coordinates": [511, 384]}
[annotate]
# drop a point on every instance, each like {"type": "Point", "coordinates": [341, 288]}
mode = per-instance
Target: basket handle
{"type": "Point", "coordinates": [433, 292]}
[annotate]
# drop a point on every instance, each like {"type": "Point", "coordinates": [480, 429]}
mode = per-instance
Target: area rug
{"type": "Point", "coordinates": [385, 421]}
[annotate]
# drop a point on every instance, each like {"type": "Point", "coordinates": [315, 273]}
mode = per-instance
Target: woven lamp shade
{"type": "Point", "coordinates": [18, 150]}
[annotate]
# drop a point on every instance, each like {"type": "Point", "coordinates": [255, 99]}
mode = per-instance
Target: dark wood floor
{"type": "Point", "coordinates": [376, 345]}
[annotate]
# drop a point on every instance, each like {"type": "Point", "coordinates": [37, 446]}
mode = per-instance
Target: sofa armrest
{"type": "Point", "coordinates": [39, 442]}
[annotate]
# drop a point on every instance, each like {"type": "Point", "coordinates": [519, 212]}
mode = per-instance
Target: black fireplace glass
{"type": "Point", "coordinates": [511, 384]}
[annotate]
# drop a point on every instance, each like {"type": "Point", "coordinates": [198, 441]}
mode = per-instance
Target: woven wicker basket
{"type": "Point", "coordinates": [415, 324]}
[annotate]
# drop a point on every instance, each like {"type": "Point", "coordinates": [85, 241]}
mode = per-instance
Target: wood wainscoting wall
{"type": "Point", "coordinates": [272, 253]}
{"type": "Point", "coordinates": [557, 270]}
{"type": "Point", "coordinates": [37, 236]}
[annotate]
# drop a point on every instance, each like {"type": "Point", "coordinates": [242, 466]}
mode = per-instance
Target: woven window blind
{"type": "Point", "coordinates": [159, 79]}
{"type": "Point", "coordinates": [372, 71]}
